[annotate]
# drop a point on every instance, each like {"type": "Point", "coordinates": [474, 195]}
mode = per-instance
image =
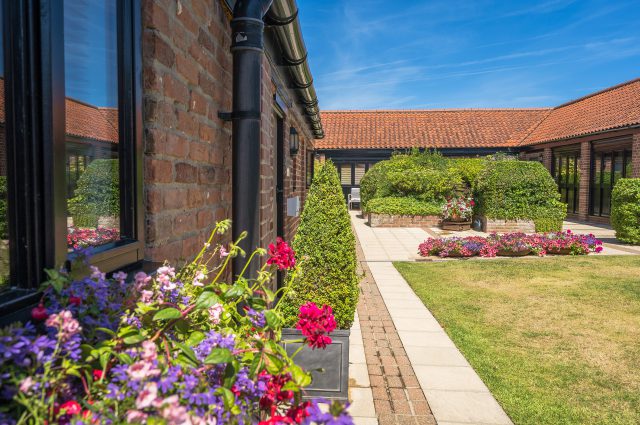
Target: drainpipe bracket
{"type": "Point", "coordinates": [225, 116]}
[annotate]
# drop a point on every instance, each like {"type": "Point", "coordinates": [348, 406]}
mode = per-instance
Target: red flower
{"type": "Point", "coordinates": [277, 420]}
{"type": "Point", "coordinates": [299, 413]}
{"type": "Point", "coordinates": [281, 255]}
{"type": "Point", "coordinates": [274, 393]}
{"type": "Point", "coordinates": [75, 300]}
{"type": "Point", "coordinates": [315, 324]}
{"type": "Point", "coordinates": [71, 408]}
{"type": "Point", "coordinates": [97, 374]}
{"type": "Point", "coordinates": [39, 313]}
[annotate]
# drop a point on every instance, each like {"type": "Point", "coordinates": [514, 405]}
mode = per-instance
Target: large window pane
{"type": "Point", "coordinates": [628, 168]}
{"type": "Point", "coordinates": [345, 174]}
{"type": "Point", "coordinates": [4, 228]}
{"type": "Point", "coordinates": [606, 185]}
{"type": "Point", "coordinates": [91, 84]}
{"type": "Point", "coordinates": [359, 172]}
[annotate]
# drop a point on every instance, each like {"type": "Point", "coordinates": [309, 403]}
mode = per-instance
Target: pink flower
{"type": "Point", "coordinates": [165, 276]}
{"type": "Point", "coordinates": [141, 370]}
{"type": "Point", "coordinates": [97, 274]}
{"type": "Point", "coordinates": [174, 413]}
{"type": "Point", "coordinates": [26, 384]}
{"type": "Point", "coordinates": [315, 324]}
{"type": "Point", "coordinates": [197, 280]}
{"type": "Point", "coordinates": [142, 280]}
{"type": "Point", "coordinates": [65, 323]}
{"type": "Point", "coordinates": [149, 351]}
{"type": "Point", "coordinates": [39, 313]}
{"type": "Point", "coordinates": [146, 296]}
{"type": "Point", "coordinates": [147, 396]}
{"type": "Point", "coordinates": [120, 277]}
{"type": "Point", "coordinates": [215, 311]}
{"type": "Point", "coordinates": [71, 408]}
{"type": "Point", "coordinates": [598, 249]}
{"type": "Point", "coordinates": [281, 255]}
{"type": "Point", "coordinates": [223, 252]}
{"type": "Point", "coordinates": [97, 374]}
{"type": "Point", "coordinates": [136, 416]}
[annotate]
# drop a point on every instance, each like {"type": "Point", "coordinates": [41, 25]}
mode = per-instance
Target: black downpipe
{"type": "Point", "coordinates": [247, 48]}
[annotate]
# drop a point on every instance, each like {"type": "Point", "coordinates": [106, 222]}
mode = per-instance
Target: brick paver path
{"type": "Point", "coordinates": [397, 395]}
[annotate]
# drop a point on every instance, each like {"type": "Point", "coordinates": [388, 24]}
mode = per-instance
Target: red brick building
{"type": "Point", "coordinates": [205, 109]}
{"type": "Point", "coordinates": [587, 144]}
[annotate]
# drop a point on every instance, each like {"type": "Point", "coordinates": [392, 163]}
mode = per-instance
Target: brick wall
{"type": "Point", "coordinates": [507, 226]}
{"type": "Point", "coordinates": [187, 74]}
{"type": "Point", "coordinates": [389, 220]}
{"type": "Point", "coordinates": [585, 180]}
{"type": "Point", "coordinates": [635, 159]}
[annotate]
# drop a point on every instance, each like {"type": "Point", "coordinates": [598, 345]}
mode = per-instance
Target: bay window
{"type": "Point", "coordinates": [71, 139]}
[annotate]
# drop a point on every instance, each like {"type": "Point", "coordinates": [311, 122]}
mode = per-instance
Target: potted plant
{"type": "Point", "coordinates": [457, 212]}
{"type": "Point", "coordinates": [325, 249]}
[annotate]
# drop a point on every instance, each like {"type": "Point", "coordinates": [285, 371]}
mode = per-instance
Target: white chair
{"type": "Point", "coordinates": [353, 197]}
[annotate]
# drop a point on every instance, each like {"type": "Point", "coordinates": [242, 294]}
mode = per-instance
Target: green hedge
{"type": "Point", "coordinates": [520, 190]}
{"type": "Point", "coordinates": [97, 194]}
{"type": "Point", "coordinates": [326, 249]}
{"type": "Point", "coordinates": [469, 169]}
{"type": "Point", "coordinates": [625, 210]}
{"type": "Point", "coordinates": [428, 177]}
{"type": "Point", "coordinates": [403, 206]}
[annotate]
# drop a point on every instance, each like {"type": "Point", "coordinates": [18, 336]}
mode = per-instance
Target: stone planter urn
{"type": "Point", "coordinates": [329, 367]}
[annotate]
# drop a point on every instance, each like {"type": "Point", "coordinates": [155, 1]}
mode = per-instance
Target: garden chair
{"type": "Point", "coordinates": [353, 197]}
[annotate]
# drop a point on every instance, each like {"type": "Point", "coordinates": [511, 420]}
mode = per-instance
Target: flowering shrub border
{"type": "Point", "coordinates": [78, 238]}
{"type": "Point", "coordinates": [181, 347]}
{"type": "Point", "coordinates": [512, 244]}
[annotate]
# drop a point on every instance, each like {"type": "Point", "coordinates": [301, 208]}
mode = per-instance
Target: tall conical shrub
{"type": "Point", "coordinates": [326, 250]}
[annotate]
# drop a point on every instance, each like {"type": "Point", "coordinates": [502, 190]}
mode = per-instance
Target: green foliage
{"type": "Point", "coordinates": [625, 210]}
{"type": "Point", "coordinates": [469, 169]}
{"type": "Point", "coordinates": [519, 190]}
{"type": "Point", "coordinates": [550, 218]}
{"type": "Point", "coordinates": [326, 250]}
{"type": "Point", "coordinates": [4, 229]}
{"type": "Point", "coordinates": [403, 206]}
{"type": "Point", "coordinates": [427, 176]}
{"type": "Point", "coordinates": [97, 194]}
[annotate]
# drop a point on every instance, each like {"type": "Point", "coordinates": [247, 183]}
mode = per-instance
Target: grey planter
{"type": "Point", "coordinates": [332, 381]}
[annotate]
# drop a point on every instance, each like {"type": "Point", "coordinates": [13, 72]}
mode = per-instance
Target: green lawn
{"type": "Point", "coordinates": [557, 340]}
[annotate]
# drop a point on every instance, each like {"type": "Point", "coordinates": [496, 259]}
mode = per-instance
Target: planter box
{"type": "Point", "coordinates": [456, 226]}
{"type": "Point", "coordinates": [332, 381]}
{"type": "Point", "coordinates": [391, 220]}
{"type": "Point", "coordinates": [507, 226]}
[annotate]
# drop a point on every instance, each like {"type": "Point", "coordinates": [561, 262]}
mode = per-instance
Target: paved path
{"type": "Point", "coordinates": [453, 391]}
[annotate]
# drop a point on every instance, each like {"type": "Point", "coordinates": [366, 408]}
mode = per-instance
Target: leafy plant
{"type": "Point", "coordinates": [97, 194]}
{"type": "Point", "coordinates": [511, 189]}
{"type": "Point", "coordinates": [175, 348]}
{"type": "Point", "coordinates": [402, 206]}
{"type": "Point", "coordinates": [325, 244]}
{"type": "Point", "coordinates": [625, 210]}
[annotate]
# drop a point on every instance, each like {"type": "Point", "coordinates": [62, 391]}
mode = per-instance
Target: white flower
{"type": "Point", "coordinates": [147, 396]}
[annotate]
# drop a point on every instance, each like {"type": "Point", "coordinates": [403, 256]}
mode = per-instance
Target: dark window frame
{"type": "Point", "coordinates": [35, 135]}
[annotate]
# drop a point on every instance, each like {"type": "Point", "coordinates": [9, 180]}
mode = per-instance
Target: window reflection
{"type": "Point", "coordinates": [4, 225]}
{"type": "Point", "coordinates": [91, 106]}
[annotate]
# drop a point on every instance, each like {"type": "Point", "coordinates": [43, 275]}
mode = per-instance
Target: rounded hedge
{"type": "Point", "coordinates": [519, 190]}
{"type": "Point", "coordinates": [625, 210]}
{"type": "Point", "coordinates": [97, 194]}
{"type": "Point", "coordinates": [326, 250]}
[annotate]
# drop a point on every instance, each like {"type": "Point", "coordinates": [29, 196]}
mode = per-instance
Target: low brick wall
{"type": "Point", "coordinates": [389, 220]}
{"type": "Point", "coordinates": [506, 226]}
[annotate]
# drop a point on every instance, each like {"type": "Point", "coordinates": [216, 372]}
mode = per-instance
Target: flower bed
{"type": "Point", "coordinates": [172, 349]}
{"type": "Point", "coordinates": [512, 245]}
{"type": "Point", "coordinates": [78, 238]}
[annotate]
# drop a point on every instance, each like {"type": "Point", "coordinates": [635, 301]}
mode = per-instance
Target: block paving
{"type": "Point", "coordinates": [397, 396]}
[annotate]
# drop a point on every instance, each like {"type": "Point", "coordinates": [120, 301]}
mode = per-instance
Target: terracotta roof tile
{"type": "Point", "coordinates": [453, 128]}
{"type": "Point", "coordinates": [83, 120]}
{"type": "Point", "coordinates": [615, 107]}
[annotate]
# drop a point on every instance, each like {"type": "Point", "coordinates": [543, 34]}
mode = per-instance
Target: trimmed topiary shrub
{"type": "Point", "coordinates": [625, 210]}
{"type": "Point", "coordinates": [326, 249]}
{"type": "Point", "coordinates": [403, 206]}
{"type": "Point", "coordinates": [97, 194]}
{"type": "Point", "coordinates": [520, 190]}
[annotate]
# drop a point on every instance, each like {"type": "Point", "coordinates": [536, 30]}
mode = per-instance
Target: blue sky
{"type": "Point", "coordinates": [90, 38]}
{"type": "Point", "coordinates": [375, 54]}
